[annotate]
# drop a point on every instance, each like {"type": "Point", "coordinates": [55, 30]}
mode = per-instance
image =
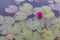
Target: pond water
{"type": "Point", "coordinates": [29, 19]}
